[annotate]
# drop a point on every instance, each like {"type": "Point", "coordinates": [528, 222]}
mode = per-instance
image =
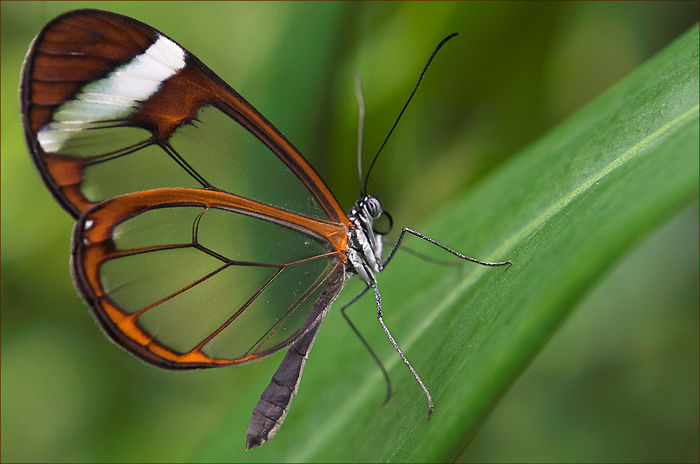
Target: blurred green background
{"type": "Point", "coordinates": [618, 382]}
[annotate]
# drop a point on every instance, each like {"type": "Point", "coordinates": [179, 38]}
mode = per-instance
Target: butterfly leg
{"type": "Point", "coordinates": [364, 342]}
{"type": "Point", "coordinates": [430, 259]}
{"type": "Point", "coordinates": [434, 242]}
{"type": "Point", "coordinates": [380, 316]}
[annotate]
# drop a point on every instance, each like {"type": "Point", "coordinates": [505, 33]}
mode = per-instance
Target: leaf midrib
{"type": "Point", "coordinates": [352, 402]}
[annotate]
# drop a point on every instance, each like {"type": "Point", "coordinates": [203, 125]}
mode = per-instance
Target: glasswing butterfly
{"type": "Point", "coordinates": [215, 249]}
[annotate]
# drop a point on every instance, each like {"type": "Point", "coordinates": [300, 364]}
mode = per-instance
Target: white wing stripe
{"type": "Point", "coordinates": [117, 95]}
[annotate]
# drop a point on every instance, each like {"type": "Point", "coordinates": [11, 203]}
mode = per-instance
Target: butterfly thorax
{"type": "Point", "coordinates": [364, 245]}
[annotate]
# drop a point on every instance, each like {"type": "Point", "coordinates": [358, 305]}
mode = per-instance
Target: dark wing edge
{"type": "Point", "coordinates": [175, 102]}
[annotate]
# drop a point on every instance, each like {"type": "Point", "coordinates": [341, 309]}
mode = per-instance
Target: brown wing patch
{"type": "Point", "coordinates": [82, 47]}
{"type": "Point", "coordinates": [74, 49]}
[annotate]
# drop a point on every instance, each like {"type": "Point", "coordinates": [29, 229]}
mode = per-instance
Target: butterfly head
{"type": "Point", "coordinates": [365, 247]}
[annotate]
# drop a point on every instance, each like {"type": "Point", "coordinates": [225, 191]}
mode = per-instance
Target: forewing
{"type": "Point", "coordinates": [112, 106]}
{"type": "Point", "coordinates": [189, 278]}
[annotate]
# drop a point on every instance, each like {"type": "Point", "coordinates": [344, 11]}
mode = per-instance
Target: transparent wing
{"type": "Point", "coordinates": [188, 278]}
{"type": "Point", "coordinates": [112, 106]}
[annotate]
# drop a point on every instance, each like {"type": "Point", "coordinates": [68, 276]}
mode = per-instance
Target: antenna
{"type": "Point", "coordinates": [420, 78]}
{"type": "Point", "coordinates": [360, 126]}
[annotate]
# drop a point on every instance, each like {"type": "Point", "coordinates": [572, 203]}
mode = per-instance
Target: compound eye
{"type": "Point", "coordinates": [374, 208]}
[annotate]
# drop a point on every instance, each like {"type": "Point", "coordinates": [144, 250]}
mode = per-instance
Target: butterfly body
{"type": "Point", "coordinates": [364, 245]}
{"type": "Point", "coordinates": [101, 89]}
{"type": "Point", "coordinates": [203, 238]}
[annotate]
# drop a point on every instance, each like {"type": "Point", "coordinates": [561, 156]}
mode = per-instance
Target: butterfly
{"type": "Point", "coordinates": [203, 238]}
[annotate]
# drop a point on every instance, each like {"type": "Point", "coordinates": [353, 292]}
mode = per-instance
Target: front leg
{"type": "Point", "coordinates": [436, 243]}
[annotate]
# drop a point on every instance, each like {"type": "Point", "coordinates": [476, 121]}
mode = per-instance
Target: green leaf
{"type": "Point", "coordinates": [564, 210]}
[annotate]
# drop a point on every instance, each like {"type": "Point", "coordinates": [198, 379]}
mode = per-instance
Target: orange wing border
{"type": "Point", "coordinates": [93, 245]}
